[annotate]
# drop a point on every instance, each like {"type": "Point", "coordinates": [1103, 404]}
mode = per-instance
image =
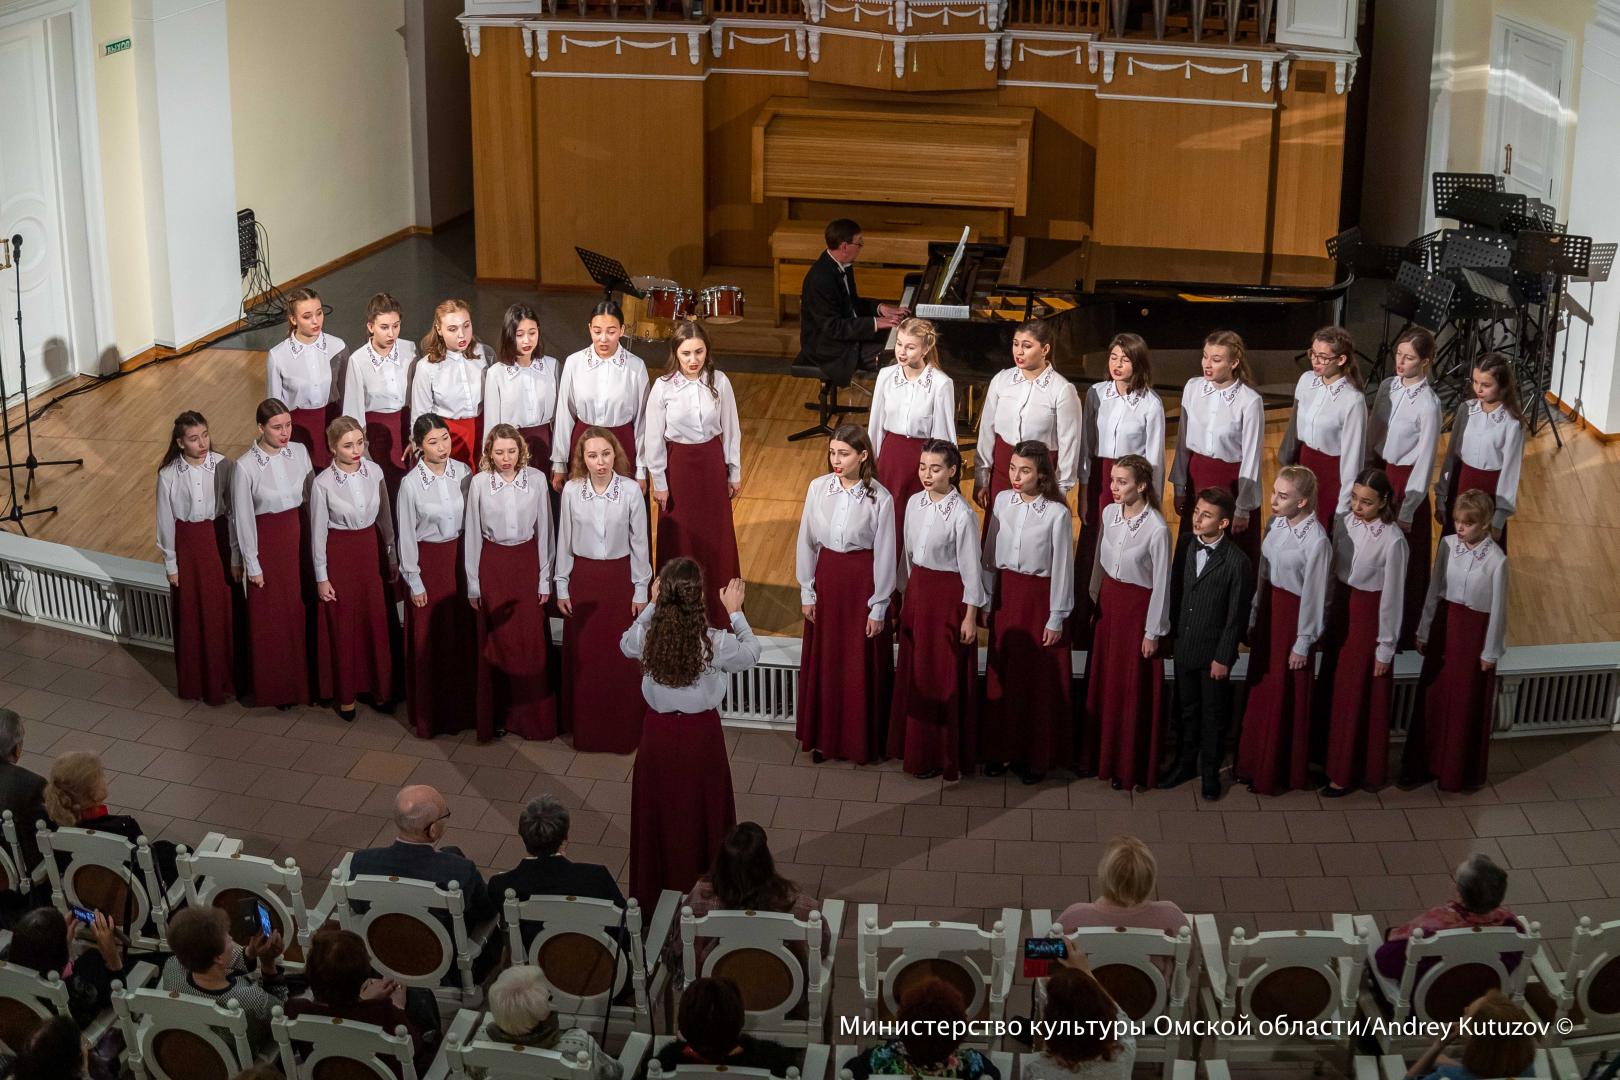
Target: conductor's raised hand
{"type": "Point", "coordinates": [731, 596]}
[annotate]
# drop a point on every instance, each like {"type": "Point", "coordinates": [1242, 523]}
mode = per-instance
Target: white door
{"type": "Point", "coordinates": [30, 206]}
{"type": "Point", "coordinates": [1528, 89]}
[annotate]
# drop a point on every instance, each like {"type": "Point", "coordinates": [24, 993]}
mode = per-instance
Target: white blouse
{"type": "Point", "coordinates": [1136, 551]}
{"type": "Point", "coordinates": [1475, 578]}
{"type": "Point", "coordinates": [923, 407]}
{"type": "Point", "coordinates": [943, 534]}
{"type": "Point", "coordinates": [732, 651]}
{"type": "Point", "coordinates": [377, 383]}
{"type": "Point", "coordinates": [1298, 558]}
{"type": "Point", "coordinates": [603, 525]}
{"type": "Point", "coordinates": [1228, 424]}
{"type": "Point", "coordinates": [1117, 424]}
{"type": "Point", "coordinates": [305, 376]}
{"type": "Point", "coordinates": [857, 518]}
{"type": "Point", "coordinates": [1036, 538]}
{"type": "Point", "coordinates": [1047, 408]}
{"type": "Point", "coordinates": [347, 502]}
{"type": "Point", "coordinates": [608, 393]}
{"type": "Point", "coordinates": [524, 397]}
{"type": "Point", "coordinates": [187, 492]}
{"type": "Point", "coordinates": [1404, 429]}
{"type": "Point", "coordinates": [507, 513]}
{"type": "Point", "coordinates": [431, 509]}
{"type": "Point", "coordinates": [1487, 440]}
{"type": "Point", "coordinates": [453, 387]}
{"type": "Point", "coordinates": [1330, 418]}
{"type": "Point", "coordinates": [265, 484]}
{"type": "Point", "coordinates": [1371, 556]}
{"type": "Point", "coordinates": [683, 410]}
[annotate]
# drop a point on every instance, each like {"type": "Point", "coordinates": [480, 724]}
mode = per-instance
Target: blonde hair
{"type": "Point", "coordinates": [1233, 344]}
{"type": "Point", "coordinates": [924, 331]}
{"type": "Point", "coordinates": [1126, 872]}
{"type": "Point", "coordinates": [339, 428]}
{"type": "Point", "coordinates": [433, 347]}
{"type": "Point", "coordinates": [486, 463]}
{"type": "Point", "coordinates": [1477, 504]}
{"type": "Point", "coordinates": [1303, 481]}
{"type": "Point", "coordinates": [77, 782]}
{"type": "Point", "coordinates": [576, 460]}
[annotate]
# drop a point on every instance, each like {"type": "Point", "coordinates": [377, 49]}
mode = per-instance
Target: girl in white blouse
{"type": "Point", "coordinates": [681, 802]}
{"type": "Point", "coordinates": [199, 555]}
{"type": "Point", "coordinates": [1285, 622]}
{"type": "Point", "coordinates": [439, 630]}
{"type": "Point", "coordinates": [601, 579]}
{"type": "Point", "coordinates": [933, 723]}
{"type": "Point", "coordinates": [306, 371]}
{"type": "Point", "coordinates": [1029, 562]}
{"type": "Point", "coordinates": [377, 387]}
{"type": "Point", "coordinates": [508, 549]}
{"type": "Point", "coordinates": [351, 536]}
{"type": "Point", "coordinates": [1130, 586]}
{"type": "Point", "coordinates": [1356, 684]}
{"type": "Point", "coordinates": [449, 379]}
{"type": "Point", "coordinates": [1403, 435]}
{"type": "Point", "coordinates": [1487, 445]}
{"type": "Point", "coordinates": [1462, 637]}
{"type": "Point", "coordinates": [605, 385]}
{"type": "Point", "coordinates": [1028, 402]}
{"type": "Point", "coordinates": [520, 388]}
{"type": "Point", "coordinates": [267, 504]}
{"type": "Point", "coordinates": [846, 569]}
{"type": "Point", "coordinates": [692, 447]}
{"type": "Point", "coordinates": [1223, 428]}
{"type": "Point", "coordinates": [1327, 431]}
{"type": "Point", "coordinates": [912, 401]}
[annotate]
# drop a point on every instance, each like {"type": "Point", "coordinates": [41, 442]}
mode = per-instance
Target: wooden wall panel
{"type": "Point", "coordinates": [622, 173]}
{"type": "Point", "coordinates": [503, 143]}
{"type": "Point", "coordinates": [1063, 161]}
{"type": "Point", "coordinates": [739, 229]}
{"type": "Point", "coordinates": [1310, 161]}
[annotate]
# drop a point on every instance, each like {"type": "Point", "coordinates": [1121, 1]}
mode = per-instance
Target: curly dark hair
{"type": "Point", "coordinates": [677, 648]}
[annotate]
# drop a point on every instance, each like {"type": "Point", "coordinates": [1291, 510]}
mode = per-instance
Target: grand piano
{"type": "Point", "coordinates": [1092, 291]}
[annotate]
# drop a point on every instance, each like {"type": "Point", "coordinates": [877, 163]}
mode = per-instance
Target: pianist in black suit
{"type": "Point", "coordinates": [543, 825]}
{"type": "Point", "coordinates": [840, 330]}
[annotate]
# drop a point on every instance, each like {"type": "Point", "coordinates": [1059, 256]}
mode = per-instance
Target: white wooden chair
{"type": "Point", "coordinates": [15, 873]}
{"type": "Point", "coordinates": [173, 1036]}
{"type": "Point", "coordinates": [404, 935]}
{"type": "Point", "coordinates": [466, 1051]}
{"type": "Point", "coordinates": [1587, 990]}
{"type": "Point", "coordinates": [224, 879]}
{"type": "Point", "coordinates": [107, 873]}
{"type": "Point", "coordinates": [979, 963]}
{"type": "Point", "coordinates": [586, 965]}
{"type": "Point", "coordinates": [1393, 1067]}
{"type": "Point", "coordinates": [27, 1000]}
{"type": "Point", "coordinates": [1306, 975]}
{"type": "Point", "coordinates": [1467, 963]}
{"type": "Point", "coordinates": [340, 1048]}
{"type": "Point", "coordinates": [817, 1056]}
{"type": "Point", "coordinates": [777, 962]}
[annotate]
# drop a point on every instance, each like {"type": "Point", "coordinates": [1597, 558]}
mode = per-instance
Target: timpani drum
{"type": "Point", "coordinates": [639, 320]}
{"type": "Point", "coordinates": [721, 304]}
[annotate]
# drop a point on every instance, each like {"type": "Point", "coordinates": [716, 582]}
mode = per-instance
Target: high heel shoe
{"type": "Point", "coordinates": [346, 715]}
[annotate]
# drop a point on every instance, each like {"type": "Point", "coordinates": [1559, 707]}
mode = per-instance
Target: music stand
{"type": "Point", "coordinates": [608, 273]}
{"type": "Point", "coordinates": [1598, 266]}
{"type": "Point", "coordinates": [1561, 256]}
{"type": "Point", "coordinates": [1486, 209]}
{"type": "Point", "coordinates": [1447, 184]}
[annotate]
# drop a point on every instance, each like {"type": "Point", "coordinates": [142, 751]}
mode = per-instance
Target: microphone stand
{"type": "Point", "coordinates": [15, 513]}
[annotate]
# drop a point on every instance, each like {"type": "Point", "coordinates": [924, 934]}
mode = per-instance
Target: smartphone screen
{"type": "Point", "coordinates": [84, 915]}
{"type": "Point", "coordinates": [265, 926]}
{"type": "Point", "coordinates": [1039, 954]}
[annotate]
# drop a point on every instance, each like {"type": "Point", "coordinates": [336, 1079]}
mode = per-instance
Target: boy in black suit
{"type": "Point", "coordinates": [1212, 611]}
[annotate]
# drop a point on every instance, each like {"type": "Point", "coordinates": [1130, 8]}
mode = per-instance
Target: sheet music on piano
{"type": "Point", "coordinates": [908, 294]}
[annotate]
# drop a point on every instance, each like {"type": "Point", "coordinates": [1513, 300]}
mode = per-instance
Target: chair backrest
{"type": "Point", "coordinates": [1130, 964]}
{"type": "Point", "coordinates": [714, 1072]}
{"type": "Point", "coordinates": [402, 926]}
{"type": "Point", "coordinates": [175, 1036]}
{"type": "Point", "coordinates": [106, 873]}
{"type": "Point", "coordinates": [1591, 982]}
{"type": "Point", "coordinates": [774, 958]}
{"type": "Point", "coordinates": [508, 1061]}
{"type": "Point", "coordinates": [977, 962]}
{"type": "Point", "coordinates": [341, 1049]}
{"type": "Point", "coordinates": [1303, 974]}
{"type": "Point", "coordinates": [224, 881]}
{"type": "Point", "coordinates": [579, 950]}
{"type": "Point", "coordinates": [13, 867]}
{"type": "Point", "coordinates": [26, 1001]}
{"type": "Point", "coordinates": [1467, 962]}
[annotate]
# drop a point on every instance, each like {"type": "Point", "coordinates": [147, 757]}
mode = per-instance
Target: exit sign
{"type": "Point", "coordinates": [113, 48]}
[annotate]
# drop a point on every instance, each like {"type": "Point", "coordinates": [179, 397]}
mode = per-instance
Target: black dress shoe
{"type": "Point", "coordinates": [998, 768]}
{"type": "Point", "coordinates": [1331, 792]}
{"type": "Point", "coordinates": [929, 774]}
{"type": "Point", "coordinates": [1031, 777]}
{"type": "Point", "coordinates": [1412, 783]}
{"type": "Point", "coordinates": [817, 757]}
{"type": "Point", "coordinates": [1114, 783]}
{"type": "Point", "coordinates": [1180, 775]}
{"type": "Point", "coordinates": [1212, 789]}
{"type": "Point", "coordinates": [346, 715]}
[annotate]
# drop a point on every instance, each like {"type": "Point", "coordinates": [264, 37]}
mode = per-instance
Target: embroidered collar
{"type": "Point", "coordinates": [379, 361]}
{"type": "Point", "coordinates": [589, 492]}
{"type": "Point", "coordinates": [679, 381]}
{"type": "Point", "coordinates": [1412, 391]}
{"type": "Point", "coordinates": [1037, 504]}
{"type": "Point", "coordinates": [593, 361]}
{"type": "Point", "coordinates": [835, 487]}
{"type": "Point", "coordinates": [428, 475]}
{"type": "Point", "coordinates": [1333, 387]}
{"type": "Point", "coordinates": [1478, 553]}
{"type": "Point", "coordinates": [925, 380]}
{"type": "Point", "coordinates": [263, 458]}
{"type": "Point", "coordinates": [1111, 392]}
{"type": "Point", "coordinates": [319, 344]}
{"type": "Point", "coordinates": [1300, 531]}
{"type": "Point", "coordinates": [1228, 395]}
{"type": "Point", "coordinates": [209, 460]}
{"type": "Point", "coordinates": [1133, 524]}
{"type": "Point", "coordinates": [1375, 528]}
{"type": "Point", "coordinates": [345, 477]}
{"type": "Point", "coordinates": [1495, 416]}
{"type": "Point", "coordinates": [521, 483]}
{"type": "Point", "coordinates": [537, 365]}
{"type": "Point", "coordinates": [944, 506]}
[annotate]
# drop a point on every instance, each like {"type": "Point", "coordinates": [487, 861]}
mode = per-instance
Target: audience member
{"type": "Point", "coordinates": [927, 1010]}
{"type": "Point", "coordinates": [1498, 1044]}
{"type": "Point", "coordinates": [338, 969]}
{"type": "Point", "coordinates": [547, 871]}
{"type": "Point", "coordinates": [520, 1012]}
{"type": "Point", "coordinates": [41, 941]}
{"type": "Point", "coordinates": [1126, 875]}
{"type": "Point", "coordinates": [76, 798]}
{"type": "Point", "coordinates": [1481, 885]}
{"type": "Point", "coordinates": [262, 1071]}
{"type": "Point", "coordinates": [744, 878]}
{"type": "Point", "coordinates": [1081, 1045]}
{"type": "Point", "coordinates": [419, 816]}
{"type": "Point", "coordinates": [22, 791]}
{"type": "Point", "coordinates": [207, 963]}
{"type": "Point", "coordinates": [55, 1051]}
{"type": "Point", "coordinates": [710, 1019]}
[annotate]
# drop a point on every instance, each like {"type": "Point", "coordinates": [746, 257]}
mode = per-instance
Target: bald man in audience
{"type": "Point", "coordinates": [420, 813]}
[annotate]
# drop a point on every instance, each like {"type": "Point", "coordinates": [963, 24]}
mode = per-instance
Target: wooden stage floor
{"type": "Point", "coordinates": [1565, 583]}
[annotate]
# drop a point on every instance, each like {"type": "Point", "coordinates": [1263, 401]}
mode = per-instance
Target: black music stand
{"type": "Point", "coordinates": [1486, 209]}
{"type": "Point", "coordinates": [1598, 267]}
{"type": "Point", "coordinates": [1447, 184]}
{"type": "Point", "coordinates": [1417, 298]}
{"type": "Point", "coordinates": [1562, 256]}
{"type": "Point", "coordinates": [608, 273]}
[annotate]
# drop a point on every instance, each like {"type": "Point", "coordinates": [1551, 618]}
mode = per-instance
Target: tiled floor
{"type": "Point", "coordinates": [306, 785]}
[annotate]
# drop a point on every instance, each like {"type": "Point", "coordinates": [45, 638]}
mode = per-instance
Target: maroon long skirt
{"type": "Point", "coordinates": [514, 691]}
{"type": "Point", "coordinates": [1099, 497]}
{"type": "Point", "coordinates": [625, 433]}
{"type": "Point", "coordinates": [466, 440]}
{"type": "Point", "coordinates": [681, 805]}
{"type": "Point", "coordinates": [1326, 468]}
{"type": "Point", "coordinates": [538, 439]}
{"type": "Point", "coordinates": [355, 634]}
{"type": "Point", "coordinates": [388, 437]}
{"type": "Point", "coordinates": [439, 644]}
{"type": "Point", "coordinates": [1451, 734]}
{"type": "Point", "coordinates": [934, 720]}
{"type": "Point", "coordinates": [1468, 478]}
{"type": "Point", "coordinates": [278, 612]}
{"type": "Point", "coordinates": [309, 428]}
{"type": "Point", "coordinates": [202, 612]}
{"type": "Point", "coordinates": [1028, 687]}
{"type": "Point", "coordinates": [1207, 472]}
{"type": "Point", "coordinates": [897, 472]}
{"type": "Point", "coordinates": [1359, 701]}
{"type": "Point", "coordinates": [1274, 749]}
{"type": "Point", "coordinates": [1420, 542]}
{"type": "Point", "coordinates": [698, 523]}
{"type": "Point", "coordinates": [1123, 691]}
{"type": "Point", "coordinates": [601, 687]}
{"type": "Point", "coordinates": [845, 677]}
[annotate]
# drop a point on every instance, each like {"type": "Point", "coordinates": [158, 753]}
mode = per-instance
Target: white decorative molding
{"type": "Point", "coordinates": [798, 42]}
{"type": "Point", "coordinates": [1006, 53]}
{"type": "Point", "coordinates": [694, 50]}
{"type": "Point", "coordinates": [1108, 67]}
{"type": "Point", "coordinates": [469, 38]}
{"type": "Point", "coordinates": [528, 33]}
{"type": "Point", "coordinates": [784, 39]}
{"type": "Point", "coordinates": [1282, 72]}
{"type": "Point", "coordinates": [1101, 96]}
{"type": "Point", "coordinates": [900, 58]}
{"type": "Point", "coordinates": [1267, 69]}
{"type": "Point", "coordinates": [1052, 54]}
{"type": "Point", "coordinates": [859, 9]}
{"type": "Point", "coordinates": [618, 41]}
{"type": "Point", "coordinates": [1187, 66]}
{"type": "Point", "coordinates": [990, 47]}
{"type": "Point", "coordinates": [542, 44]}
{"type": "Point", "coordinates": [814, 39]}
{"type": "Point", "coordinates": [1040, 85]}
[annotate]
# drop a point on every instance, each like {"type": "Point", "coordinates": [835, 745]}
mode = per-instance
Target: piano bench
{"type": "Point", "coordinates": [827, 407]}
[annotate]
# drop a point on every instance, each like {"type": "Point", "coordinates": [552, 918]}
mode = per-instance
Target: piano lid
{"type": "Point", "coordinates": [1036, 265]}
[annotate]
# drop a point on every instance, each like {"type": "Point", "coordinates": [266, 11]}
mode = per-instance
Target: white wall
{"type": "Point", "coordinates": [123, 197]}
